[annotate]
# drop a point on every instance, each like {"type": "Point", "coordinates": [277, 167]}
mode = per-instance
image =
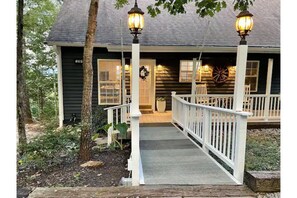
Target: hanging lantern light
{"type": "Point", "coordinates": [135, 21]}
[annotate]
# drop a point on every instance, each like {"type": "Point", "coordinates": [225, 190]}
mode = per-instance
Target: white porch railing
{"type": "Point", "coordinates": [128, 99]}
{"type": "Point", "coordinates": [115, 115]}
{"type": "Point", "coordinates": [221, 131]}
{"type": "Point", "coordinates": [262, 106]}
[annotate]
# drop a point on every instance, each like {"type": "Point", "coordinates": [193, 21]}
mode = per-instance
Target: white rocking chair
{"type": "Point", "coordinates": [201, 89]}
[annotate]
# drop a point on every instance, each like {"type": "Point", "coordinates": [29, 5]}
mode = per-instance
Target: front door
{"type": "Point", "coordinates": [146, 85]}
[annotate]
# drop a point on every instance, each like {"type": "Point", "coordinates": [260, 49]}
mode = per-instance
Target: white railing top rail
{"type": "Point", "coordinates": [118, 106]}
{"type": "Point", "coordinates": [225, 95]}
{"type": "Point", "coordinates": [242, 113]}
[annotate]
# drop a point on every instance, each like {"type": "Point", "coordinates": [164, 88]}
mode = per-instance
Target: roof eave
{"type": "Point", "coordinates": [181, 49]}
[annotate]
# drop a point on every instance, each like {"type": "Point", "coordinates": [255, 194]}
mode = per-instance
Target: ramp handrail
{"type": "Point", "coordinates": [115, 115]}
{"type": "Point", "coordinates": [216, 130]}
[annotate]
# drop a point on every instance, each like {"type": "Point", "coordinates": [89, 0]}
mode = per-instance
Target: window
{"type": "Point", "coordinates": [252, 71]}
{"type": "Point", "coordinates": [109, 82]}
{"type": "Point", "coordinates": [186, 69]}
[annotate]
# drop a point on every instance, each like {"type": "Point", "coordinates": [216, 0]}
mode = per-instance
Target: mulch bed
{"type": "Point", "coordinates": [70, 174]}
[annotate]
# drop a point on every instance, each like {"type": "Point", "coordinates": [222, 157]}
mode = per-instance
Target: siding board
{"type": "Point", "coordinates": [167, 76]}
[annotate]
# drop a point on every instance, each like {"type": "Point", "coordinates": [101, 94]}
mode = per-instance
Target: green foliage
{"type": "Point", "coordinates": [39, 59]}
{"type": "Point", "coordinates": [99, 118]}
{"type": "Point", "coordinates": [161, 99]}
{"type": "Point", "coordinates": [263, 152]}
{"type": "Point", "coordinates": [121, 127]}
{"type": "Point", "coordinates": [76, 176]}
{"type": "Point", "coordinates": [204, 7]}
{"type": "Point", "coordinates": [51, 148]}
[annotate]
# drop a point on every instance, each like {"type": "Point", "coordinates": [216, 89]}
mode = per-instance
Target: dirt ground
{"type": "Point", "coordinates": [70, 173]}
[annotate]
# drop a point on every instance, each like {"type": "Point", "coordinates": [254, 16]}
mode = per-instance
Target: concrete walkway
{"type": "Point", "coordinates": [168, 157]}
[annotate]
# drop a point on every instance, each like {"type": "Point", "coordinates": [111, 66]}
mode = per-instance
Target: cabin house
{"type": "Point", "coordinates": [168, 45]}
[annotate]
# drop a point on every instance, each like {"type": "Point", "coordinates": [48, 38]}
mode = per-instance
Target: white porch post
{"type": "Point", "coordinates": [193, 90]}
{"type": "Point", "coordinates": [268, 88]}
{"type": "Point", "coordinates": [241, 60]}
{"type": "Point", "coordinates": [60, 84]}
{"type": "Point", "coordinates": [240, 146]}
{"type": "Point", "coordinates": [135, 114]}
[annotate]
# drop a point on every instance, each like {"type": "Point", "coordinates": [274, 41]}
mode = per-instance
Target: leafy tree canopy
{"type": "Point", "coordinates": [203, 7]}
{"type": "Point", "coordinates": [39, 59]}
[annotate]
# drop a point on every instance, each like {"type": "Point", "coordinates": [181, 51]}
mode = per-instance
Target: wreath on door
{"type": "Point", "coordinates": [143, 72]}
{"type": "Point", "coordinates": [220, 74]}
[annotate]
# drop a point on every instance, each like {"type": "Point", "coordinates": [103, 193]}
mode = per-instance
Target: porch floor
{"type": "Point", "coordinates": [156, 117]}
{"type": "Point", "coordinates": [168, 157]}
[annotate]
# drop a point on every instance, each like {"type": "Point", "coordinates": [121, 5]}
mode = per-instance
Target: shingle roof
{"type": "Point", "coordinates": [167, 30]}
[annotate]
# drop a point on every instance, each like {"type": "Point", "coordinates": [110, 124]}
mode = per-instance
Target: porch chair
{"type": "Point", "coordinates": [201, 89]}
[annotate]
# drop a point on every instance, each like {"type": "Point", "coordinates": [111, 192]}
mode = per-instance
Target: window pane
{"type": "Point", "coordinates": [186, 69]}
{"type": "Point", "coordinates": [254, 71]}
{"type": "Point", "coordinates": [248, 71]}
{"type": "Point", "coordinates": [109, 81]}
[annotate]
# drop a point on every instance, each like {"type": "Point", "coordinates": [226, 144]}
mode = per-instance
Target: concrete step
{"type": "Point", "coordinates": [201, 191]}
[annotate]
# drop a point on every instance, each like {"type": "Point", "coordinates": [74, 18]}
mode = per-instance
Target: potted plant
{"type": "Point", "coordinates": [161, 104]}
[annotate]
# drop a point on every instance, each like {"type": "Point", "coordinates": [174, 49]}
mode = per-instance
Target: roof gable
{"type": "Point", "coordinates": [165, 29]}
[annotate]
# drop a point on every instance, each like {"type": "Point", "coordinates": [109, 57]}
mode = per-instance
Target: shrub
{"type": "Point", "coordinates": [99, 118]}
{"type": "Point", "coordinates": [51, 148]}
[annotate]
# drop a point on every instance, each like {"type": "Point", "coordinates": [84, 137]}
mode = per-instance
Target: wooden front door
{"type": "Point", "coordinates": [146, 86]}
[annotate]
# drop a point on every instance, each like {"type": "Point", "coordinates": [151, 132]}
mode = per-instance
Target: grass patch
{"type": "Point", "coordinates": [263, 150]}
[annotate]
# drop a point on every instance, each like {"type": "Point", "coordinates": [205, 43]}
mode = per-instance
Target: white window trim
{"type": "Point", "coordinates": [256, 75]}
{"type": "Point", "coordinates": [98, 84]}
{"type": "Point", "coordinates": [198, 70]}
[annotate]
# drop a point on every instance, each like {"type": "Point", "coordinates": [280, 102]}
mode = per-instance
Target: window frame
{"type": "Point", "coordinates": [197, 72]}
{"type": "Point", "coordinates": [255, 75]}
{"type": "Point", "coordinates": [114, 81]}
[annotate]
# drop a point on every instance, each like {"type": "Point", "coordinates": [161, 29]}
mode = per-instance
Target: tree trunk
{"type": "Point", "coordinates": [28, 114]}
{"type": "Point", "coordinates": [86, 110]}
{"type": "Point", "coordinates": [20, 78]}
{"type": "Point", "coordinates": [41, 103]}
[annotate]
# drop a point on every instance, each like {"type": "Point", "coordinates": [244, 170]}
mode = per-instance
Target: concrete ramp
{"type": "Point", "coordinates": [168, 157]}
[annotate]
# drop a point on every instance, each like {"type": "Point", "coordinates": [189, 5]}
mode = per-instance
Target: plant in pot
{"type": "Point", "coordinates": [161, 104]}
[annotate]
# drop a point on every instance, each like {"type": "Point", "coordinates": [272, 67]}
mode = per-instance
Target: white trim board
{"type": "Point", "coordinates": [194, 49]}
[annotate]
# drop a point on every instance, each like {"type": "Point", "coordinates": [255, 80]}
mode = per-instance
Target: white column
{"type": "Point", "coordinates": [193, 90]}
{"type": "Point", "coordinates": [240, 144]}
{"type": "Point", "coordinates": [135, 114]}
{"type": "Point", "coordinates": [241, 60]}
{"type": "Point", "coordinates": [173, 106]}
{"type": "Point", "coordinates": [110, 129]}
{"type": "Point", "coordinates": [268, 88]}
{"type": "Point", "coordinates": [206, 129]}
{"type": "Point", "coordinates": [60, 85]}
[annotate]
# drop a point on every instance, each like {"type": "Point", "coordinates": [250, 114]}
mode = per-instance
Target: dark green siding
{"type": "Point", "coordinates": [167, 78]}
